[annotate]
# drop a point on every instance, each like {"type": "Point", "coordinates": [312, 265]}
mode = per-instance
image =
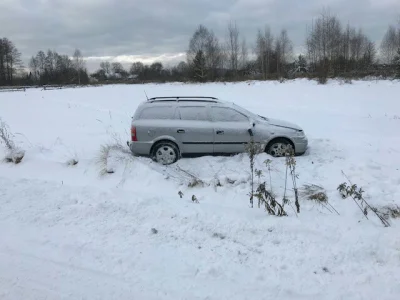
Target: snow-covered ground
{"type": "Point", "coordinates": [66, 232]}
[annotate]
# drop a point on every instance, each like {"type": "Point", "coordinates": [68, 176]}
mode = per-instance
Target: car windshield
{"type": "Point", "coordinates": [249, 113]}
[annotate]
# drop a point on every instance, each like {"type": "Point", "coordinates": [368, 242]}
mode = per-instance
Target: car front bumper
{"type": "Point", "coordinates": [300, 145]}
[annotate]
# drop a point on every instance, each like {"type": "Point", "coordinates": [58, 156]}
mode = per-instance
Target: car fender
{"type": "Point", "coordinates": [167, 138]}
{"type": "Point", "coordinates": [266, 134]}
{"type": "Point", "coordinates": [277, 136]}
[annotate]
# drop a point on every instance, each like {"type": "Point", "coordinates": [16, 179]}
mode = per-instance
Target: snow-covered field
{"type": "Point", "coordinates": [66, 232]}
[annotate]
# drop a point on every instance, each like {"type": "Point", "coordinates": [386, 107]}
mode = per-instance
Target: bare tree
{"type": "Point", "coordinates": [50, 63]}
{"type": "Point", "coordinates": [79, 63]}
{"type": "Point", "coordinates": [369, 56]}
{"type": "Point", "coordinates": [244, 54]}
{"type": "Point", "coordinates": [356, 44]}
{"type": "Point", "coordinates": [269, 42]}
{"type": "Point", "coordinates": [324, 41]}
{"type": "Point", "coordinates": [54, 68]}
{"type": "Point", "coordinates": [197, 42]}
{"type": "Point", "coordinates": [260, 51]}
{"type": "Point", "coordinates": [117, 68]}
{"type": "Point", "coordinates": [264, 50]}
{"type": "Point", "coordinates": [398, 31]}
{"type": "Point", "coordinates": [10, 61]}
{"type": "Point", "coordinates": [156, 69]}
{"type": "Point", "coordinates": [34, 67]}
{"type": "Point", "coordinates": [41, 59]}
{"type": "Point", "coordinates": [390, 44]}
{"type": "Point", "coordinates": [206, 41]}
{"type": "Point", "coordinates": [214, 55]}
{"type": "Point", "coordinates": [396, 61]}
{"type": "Point", "coordinates": [15, 62]}
{"type": "Point", "coordinates": [136, 68]}
{"type": "Point", "coordinates": [182, 67]}
{"type": "Point", "coordinates": [233, 47]}
{"type": "Point", "coordinates": [284, 51]}
{"type": "Point", "coordinates": [106, 67]}
{"type": "Point", "coordinates": [180, 71]}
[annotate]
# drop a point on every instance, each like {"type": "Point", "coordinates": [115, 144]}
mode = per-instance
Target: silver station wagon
{"type": "Point", "coordinates": [166, 128]}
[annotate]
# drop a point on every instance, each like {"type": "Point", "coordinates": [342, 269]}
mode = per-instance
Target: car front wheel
{"type": "Point", "coordinates": [279, 147]}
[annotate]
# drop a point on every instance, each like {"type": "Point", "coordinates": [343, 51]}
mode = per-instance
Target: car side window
{"type": "Point", "coordinates": [158, 113]}
{"type": "Point", "coordinates": [194, 113]}
{"type": "Point", "coordinates": [226, 114]}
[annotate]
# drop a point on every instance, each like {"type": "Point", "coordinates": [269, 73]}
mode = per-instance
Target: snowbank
{"type": "Point", "coordinates": [69, 231]}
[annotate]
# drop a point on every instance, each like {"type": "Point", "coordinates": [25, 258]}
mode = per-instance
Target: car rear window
{"type": "Point", "coordinates": [157, 113]}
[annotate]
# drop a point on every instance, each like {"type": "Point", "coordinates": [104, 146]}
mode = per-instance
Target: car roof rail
{"type": "Point", "coordinates": [184, 98]}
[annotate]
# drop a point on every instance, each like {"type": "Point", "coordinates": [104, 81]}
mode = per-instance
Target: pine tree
{"type": "Point", "coordinates": [199, 66]}
{"type": "Point", "coordinates": [302, 62]}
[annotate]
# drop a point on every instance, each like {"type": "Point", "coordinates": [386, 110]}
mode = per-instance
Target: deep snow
{"type": "Point", "coordinates": [68, 233]}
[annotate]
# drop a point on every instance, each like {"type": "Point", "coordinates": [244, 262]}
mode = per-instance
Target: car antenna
{"type": "Point", "coordinates": [146, 95]}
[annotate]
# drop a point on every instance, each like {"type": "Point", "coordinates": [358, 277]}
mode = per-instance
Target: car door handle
{"type": "Point", "coordinates": [180, 131]}
{"type": "Point", "coordinates": [220, 132]}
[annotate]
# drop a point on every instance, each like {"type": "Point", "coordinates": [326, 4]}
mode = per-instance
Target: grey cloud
{"type": "Point", "coordinates": [151, 28]}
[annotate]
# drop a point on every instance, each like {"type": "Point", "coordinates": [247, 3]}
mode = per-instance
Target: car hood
{"type": "Point", "coordinates": [283, 124]}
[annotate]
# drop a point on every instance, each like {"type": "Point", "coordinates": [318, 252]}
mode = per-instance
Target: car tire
{"type": "Point", "coordinates": [278, 147]}
{"type": "Point", "coordinates": [165, 153]}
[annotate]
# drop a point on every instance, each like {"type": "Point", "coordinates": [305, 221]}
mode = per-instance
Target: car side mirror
{"type": "Point", "coordinates": [250, 131]}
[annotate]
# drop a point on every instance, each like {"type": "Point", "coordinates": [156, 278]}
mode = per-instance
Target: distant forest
{"type": "Point", "coordinates": [331, 50]}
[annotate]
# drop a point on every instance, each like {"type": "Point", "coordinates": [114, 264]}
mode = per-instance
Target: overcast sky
{"type": "Point", "coordinates": [149, 30]}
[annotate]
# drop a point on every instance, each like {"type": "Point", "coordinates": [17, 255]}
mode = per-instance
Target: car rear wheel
{"type": "Point", "coordinates": [165, 153]}
{"type": "Point", "coordinates": [279, 147]}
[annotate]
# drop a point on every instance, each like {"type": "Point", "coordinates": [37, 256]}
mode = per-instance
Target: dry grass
{"type": "Point", "coordinates": [103, 158]}
{"type": "Point", "coordinates": [356, 193]}
{"type": "Point", "coordinates": [194, 181]}
{"type": "Point", "coordinates": [317, 194]}
{"type": "Point", "coordinates": [319, 197]}
{"type": "Point", "coordinates": [14, 157]}
{"type": "Point", "coordinates": [72, 162]}
{"type": "Point", "coordinates": [268, 200]}
{"type": "Point", "coordinates": [6, 136]}
{"type": "Point", "coordinates": [390, 212]}
{"type": "Point", "coordinates": [14, 154]}
{"type": "Point", "coordinates": [314, 192]}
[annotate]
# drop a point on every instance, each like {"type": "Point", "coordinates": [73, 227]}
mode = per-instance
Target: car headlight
{"type": "Point", "coordinates": [300, 133]}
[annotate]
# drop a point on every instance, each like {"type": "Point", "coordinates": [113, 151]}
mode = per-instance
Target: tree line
{"type": "Point", "coordinates": [331, 49]}
{"type": "Point", "coordinates": [10, 60]}
{"type": "Point", "coordinates": [53, 68]}
{"type": "Point", "coordinates": [44, 68]}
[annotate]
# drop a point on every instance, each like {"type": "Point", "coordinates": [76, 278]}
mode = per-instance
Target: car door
{"type": "Point", "coordinates": [230, 130]}
{"type": "Point", "coordinates": [156, 121]}
{"type": "Point", "coordinates": [196, 131]}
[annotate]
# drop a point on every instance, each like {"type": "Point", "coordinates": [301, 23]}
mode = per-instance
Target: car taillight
{"type": "Point", "coordinates": [133, 134]}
